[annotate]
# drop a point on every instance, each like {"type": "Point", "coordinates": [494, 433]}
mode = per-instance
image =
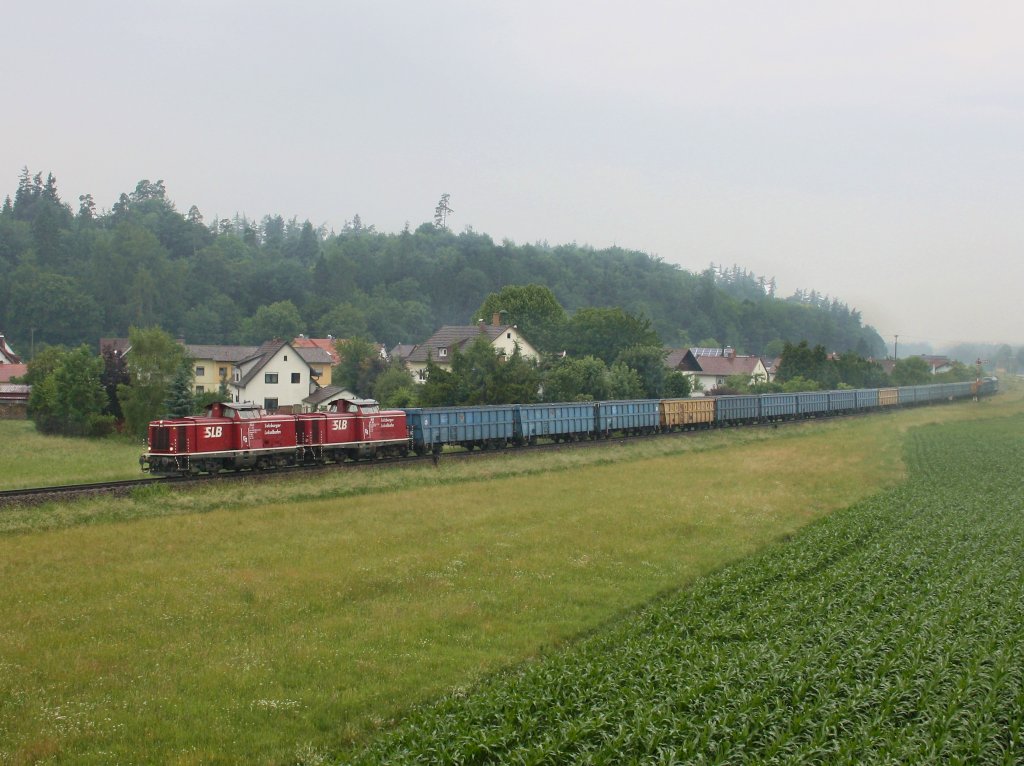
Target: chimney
{"type": "Point", "coordinates": [729, 352]}
{"type": "Point", "coordinates": [496, 319]}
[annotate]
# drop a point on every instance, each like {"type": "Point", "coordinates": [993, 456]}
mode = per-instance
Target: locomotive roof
{"type": "Point", "coordinates": [340, 403]}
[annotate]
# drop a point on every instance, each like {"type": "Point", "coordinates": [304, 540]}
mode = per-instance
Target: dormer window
{"type": "Point", "coordinates": [442, 352]}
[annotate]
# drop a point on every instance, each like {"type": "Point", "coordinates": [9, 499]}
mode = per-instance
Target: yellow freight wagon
{"type": "Point", "coordinates": [888, 397]}
{"type": "Point", "coordinates": [687, 413]}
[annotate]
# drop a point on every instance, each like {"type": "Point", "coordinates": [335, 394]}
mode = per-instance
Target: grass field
{"type": "Point", "coordinates": [29, 459]}
{"type": "Point", "coordinates": [285, 621]}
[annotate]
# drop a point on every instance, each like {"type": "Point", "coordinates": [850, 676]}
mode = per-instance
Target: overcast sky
{"type": "Point", "coordinates": [873, 151]}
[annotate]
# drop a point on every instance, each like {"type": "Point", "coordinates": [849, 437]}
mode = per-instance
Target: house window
{"type": "Point", "coordinates": [286, 357]}
{"type": "Point", "coordinates": [200, 372]}
{"type": "Point", "coordinates": [270, 404]}
{"type": "Point", "coordinates": [296, 377]}
{"type": "Point", "coordinates": [270, 377]}
{"type": "Point", "coordinates": [223, 372]}
{"type": "Point", "coordinates": [200, 390]}
{"type": "Point", "coordinates": [421, 374]}
{"type": "Point", "coordinates": [442, 352]}
{"type": "Point", "coordinates": [508, 335]}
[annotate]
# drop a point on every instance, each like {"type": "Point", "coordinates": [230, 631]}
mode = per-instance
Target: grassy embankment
{"type": "Point", "coordinates": [287, 619]}
{"type": "Point", "coordinates": [30, 459]}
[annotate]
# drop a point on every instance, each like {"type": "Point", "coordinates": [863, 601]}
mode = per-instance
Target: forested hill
{"type": "Point", "coordinates": [72, 276]}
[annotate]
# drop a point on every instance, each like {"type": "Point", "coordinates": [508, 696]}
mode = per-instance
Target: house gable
{"type": "Point", "coordinates": [440, 346]}
{"type": "Point", "coordinates": [275, 376]}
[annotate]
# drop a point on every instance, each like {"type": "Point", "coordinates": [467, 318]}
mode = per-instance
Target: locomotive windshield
{"type": "Point", "coordinates": [355, 406]}
{"type": "Point", "coordinates": [231, 411]}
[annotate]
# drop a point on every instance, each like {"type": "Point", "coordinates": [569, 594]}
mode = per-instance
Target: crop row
{"type": "Point", "coordinates": [887, 632]}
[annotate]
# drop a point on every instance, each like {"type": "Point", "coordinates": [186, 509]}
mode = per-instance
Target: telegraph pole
{"type": "Point", "coordinates": [896, 349]}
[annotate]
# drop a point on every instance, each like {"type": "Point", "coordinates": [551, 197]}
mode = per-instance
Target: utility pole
{"type": "Point", "coordinates": [896, 349]}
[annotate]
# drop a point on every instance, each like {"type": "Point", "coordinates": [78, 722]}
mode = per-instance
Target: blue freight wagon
{"type": "Point", "coordinates": [908, 395]}
{"type": "Point", "coordinates": [483, 426]}
{"type": "Point", "coordinates": [737, 409]}
{"type": "Point", "coordinates": [635, 416]}
{"type": "Point", "coordinates": [960, 390]}
{"type": "Point", "coordinates": [778, 406]}
{"type": "Point", "coordinates": [566, 421]}
{"type": "Point", "coordinates": [841, 401]}
{"type": "Point", "coordinates": [812, 402]}
{"type": "Point", "coordinates": [867, 398]}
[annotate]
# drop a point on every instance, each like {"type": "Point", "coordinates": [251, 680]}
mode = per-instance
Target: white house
{"type": "Point", "coordinates": [711, 369]}
{"type": "Point", "coordinates": [7, 355]}
{"type": "Point", "coordinates": [440, 346]}
{"type": "Point", "coordinates": [275, 376]}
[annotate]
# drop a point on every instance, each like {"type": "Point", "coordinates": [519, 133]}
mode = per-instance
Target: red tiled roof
{"type": "Point", "coordinates": [325, 344]}
{"type": "Point", "coordinates": [675, 357]}
{"type": "Point", "coordinates": [8, 371]}
{"type": "Point", "coordinates": [728, 365]}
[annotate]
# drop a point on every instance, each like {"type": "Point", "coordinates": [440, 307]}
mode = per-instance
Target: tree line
{"type": "Point", "coordinates": [74, 275]}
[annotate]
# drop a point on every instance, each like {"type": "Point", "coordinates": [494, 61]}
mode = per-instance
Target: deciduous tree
{"type": "Point", "coordinates": [153, 362]}
{"type": "Point", "coordinates": [533, 309]}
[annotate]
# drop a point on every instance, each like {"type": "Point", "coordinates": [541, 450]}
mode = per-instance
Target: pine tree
{"type": "Point", "coordinates": [181, 401]}
{"type": "Point", "coordinates": [441, 212]}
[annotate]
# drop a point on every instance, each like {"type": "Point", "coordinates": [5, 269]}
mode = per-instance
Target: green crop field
{"type": "Point", "coordinates": [888, 633]}
{"type": "Point", "coordinates": [294, 621]}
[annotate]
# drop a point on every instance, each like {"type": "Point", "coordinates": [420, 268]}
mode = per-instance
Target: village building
{"type": "Point", "coordinates": [13, 396]}
{"type": "Point", "coordinates": [937, 364]}
{"type": "Point", "coordinates": [439, 348]}
{"type": "Point", "coordinates": [213, 366]}
{"type": "Point", "coordinates": [7, 355]}
{"type": "Point", "coordinates": [709, 368]}
{"type": "Point", "coordinates": [275, 376]}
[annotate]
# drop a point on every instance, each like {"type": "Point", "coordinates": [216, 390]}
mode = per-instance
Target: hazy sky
{"type": "Point", "coordinates": [873, 151]}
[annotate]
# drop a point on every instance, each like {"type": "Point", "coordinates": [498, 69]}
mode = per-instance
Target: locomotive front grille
{"type": "Point", "coordinates": [161, 439]}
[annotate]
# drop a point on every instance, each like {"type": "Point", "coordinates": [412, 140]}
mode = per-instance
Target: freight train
{"type": "Point", "coordinates": [231, 437]}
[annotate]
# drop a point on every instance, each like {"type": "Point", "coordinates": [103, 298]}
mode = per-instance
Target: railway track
{"type": "Point", "coordinates": [72, 492]}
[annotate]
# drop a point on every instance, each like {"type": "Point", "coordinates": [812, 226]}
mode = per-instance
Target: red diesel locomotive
{"type": "Point", "coordinates": [235, 436]}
